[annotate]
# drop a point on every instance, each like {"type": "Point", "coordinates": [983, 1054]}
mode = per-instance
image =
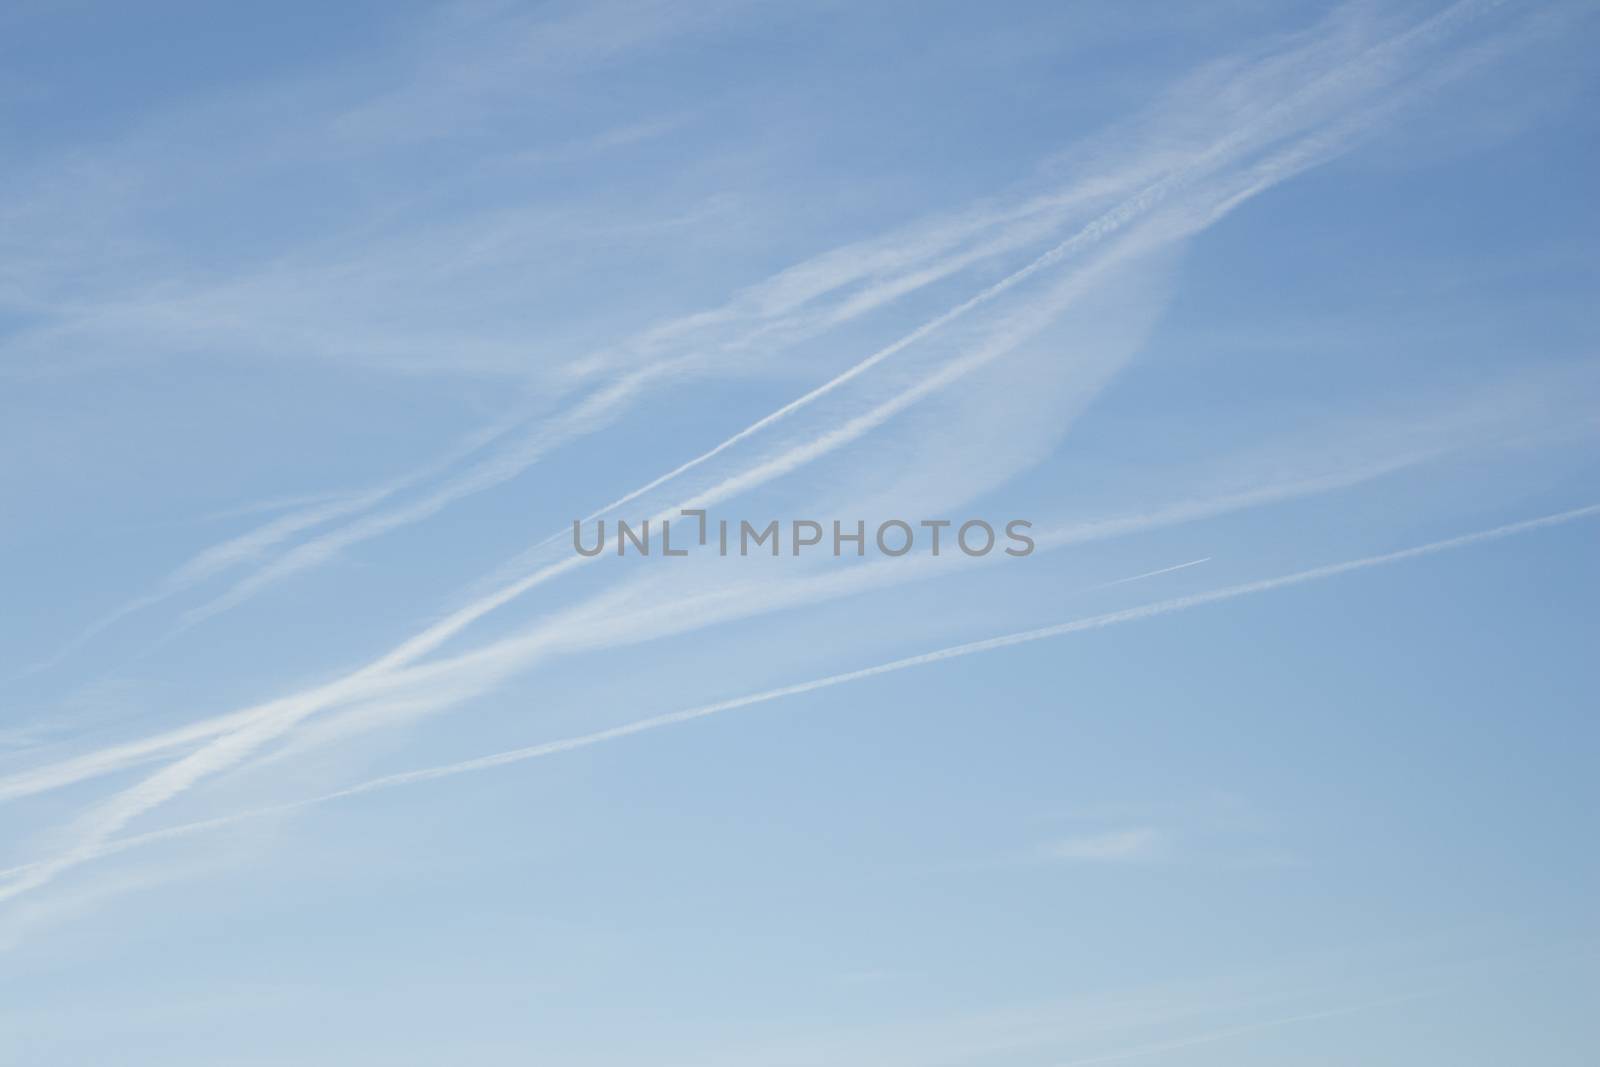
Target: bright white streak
{"type": "Point", "coordinates": [1094, 622]}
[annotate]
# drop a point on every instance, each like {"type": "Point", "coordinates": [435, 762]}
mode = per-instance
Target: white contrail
{"type": "Point", "coordinates": [269, 505]}
{"type": "Point", "coordinates": [1301, 155]}
{"type": "Point", "coordinates": [903, 252]}
{"type": "Point", "coordinates": [118, 757]}
{"type": "Point", "coordinates": [1230, 146]}
{"type": "Point", "coordinates": [1163, 570]}
{"type": "Point", "coordinates": [227, 555]}
{"type": "Point", "coordinates": [1120, 218]}
{"type": "Point", "coordinates": [1374, 67]}
{"type": "Point", "coordinates": [900, 263]}
{"type": "Point", "coordinates": [657, 722]}
{"type": "Point", "coordinates": [1277, 122]}
{"type": "Point", "coordinates": [132, 753]}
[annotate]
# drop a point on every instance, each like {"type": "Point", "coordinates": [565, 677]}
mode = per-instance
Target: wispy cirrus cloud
{"type": "Point", "coordinates": [1343, 457]}
{"type": "Point", "coordinates": [1275, 118]}
{"type": "Point", "coordinates": [1122, 844]}
{"type": "Point", "coordinates": [1111, 846]}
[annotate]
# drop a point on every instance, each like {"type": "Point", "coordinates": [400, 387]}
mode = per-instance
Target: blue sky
{"type": "Point", "coordinates": [319, 327]}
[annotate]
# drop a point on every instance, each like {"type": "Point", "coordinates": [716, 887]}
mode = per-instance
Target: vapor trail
{"type": "Point", "coordinates": [1163, 570]}
{"type": "Point", "coordinates": [127, 754]}
{"type": "Point", "coordinates": [1370, 63]}
{"type": "Point", "coordinates": [971, 648]}
{"type": "Point", "coordinates": [1373, 67]}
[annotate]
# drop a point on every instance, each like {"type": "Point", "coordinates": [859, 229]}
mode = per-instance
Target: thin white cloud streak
{"type": "Point", "coordinates": [120, 757]}
{"type": "Point", "coordinates": [1180, 225]}
{"type": "Point", "coordinates": [424, 84]}
{"type": "Point", "coordinates": [443, 630]}
{"type": "Point", "coordinates": [1146, 611]}
{"type": "Point", "coordinates": [744, 600]}
{"type": "Point", "coordinates": [1018, 329]}
{"type": "Point", "coordinates": [237, 551]}
{"type": "Point", "coordinates": [256, 726]}
{"type": "Point", "coordinates": [785, 293]}
{"type": "Point", "coordinates": [1113, 846]}
{"type": "Point", "coordinates": [1428, 439]}
{"type": "Point", "coordinates": [695, 344]}
{"type": "Point", "coordinates": [1228, 147]}
{"type": "Point", "coordinates": [833, 271]}
{"type": "Point", "coordinates": [209, 562]}
{"type": "Point", "coordinates": [884, 269]}
{"type": "Point", "coordinates": [483, 58]}
{"type": "Point", "coordinates": [595, 411]}
{"type": "Point", "coordinates": [30, 916]}
{"type": "Point", "coordinates": [261, 507]}
{"type": "Point", "coordinates": [1060, 535]}
{"type": "Point", "coordinates": [840, 379]}
{"type": "Point", "coordinates": [1368, 65]}
{"type": "Point", "coordinates": [1163, 570]}
{"type": "Point", "coordinates": [862, 276]}
{"type": "Point", "coordinates": [1374, 68]}
{"type": "Point", "coordinates": [486, 475]}
{"type": "Point", "coordinates": [636, 614]}
{"type": "Point", "coordinates": [29, 876]}
{"type": "Point", "coordinates": [650, 611]}
{"type": "Point", "coordinates": [114, 758]}
{"type": "Point", "coordinates": [250, 545]}
{"type": "Point", "coordinates": [1081, 239]}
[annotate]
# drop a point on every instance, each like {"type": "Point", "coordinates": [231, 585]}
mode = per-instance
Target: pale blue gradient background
{"type": "Point", "coordinates": [257, 253]}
